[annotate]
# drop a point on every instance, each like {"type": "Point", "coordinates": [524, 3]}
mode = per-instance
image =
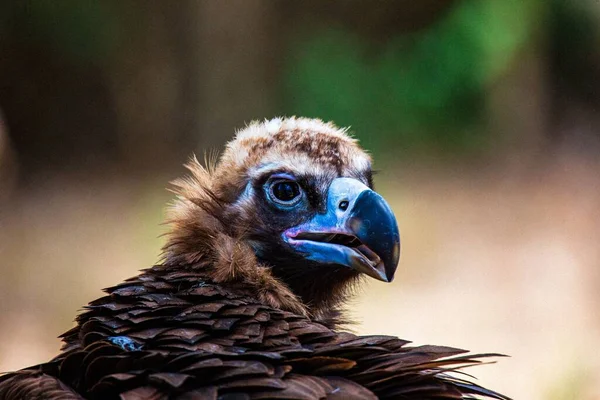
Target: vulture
{"type": "Point", "coordinates": [265, 245]}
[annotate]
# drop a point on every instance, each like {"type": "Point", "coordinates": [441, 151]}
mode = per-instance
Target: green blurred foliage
{"type": "Point", "coordinates": [574, 36]}
{"type": "Point", "coordinates": [81, 31]}
{"type": "Point", "coordinates": [424, 90]}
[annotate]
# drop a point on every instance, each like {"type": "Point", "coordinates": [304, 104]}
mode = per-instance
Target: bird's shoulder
{"type": "Point", "coordinates": [177, 332]}
{"type": "Point", "coordinates": [178, 335]}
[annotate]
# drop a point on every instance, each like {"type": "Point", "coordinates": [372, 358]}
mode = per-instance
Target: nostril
{"type": "Point", "coordinates": [343, 205]}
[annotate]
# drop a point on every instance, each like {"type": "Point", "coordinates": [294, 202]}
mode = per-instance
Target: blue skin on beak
{"type": "Point", "coordinates": [358, 230]}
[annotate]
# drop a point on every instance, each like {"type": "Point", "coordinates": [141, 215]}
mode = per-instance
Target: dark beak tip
{"type": "Point", "coordinates": [391, 267]}
{"type": "Point", "coordinates": [374, 223]}
{"type": "Point", "coordinates": [389, 276]}
{"type": "Point", "coordinates": [387, 279]}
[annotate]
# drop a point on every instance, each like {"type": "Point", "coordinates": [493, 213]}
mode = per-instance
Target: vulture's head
{"type": "Point", "coordinates": [290, 203]}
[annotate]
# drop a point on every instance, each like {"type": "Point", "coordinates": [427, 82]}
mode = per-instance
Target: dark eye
{"type": "Point", "coordinates": [285, 192]}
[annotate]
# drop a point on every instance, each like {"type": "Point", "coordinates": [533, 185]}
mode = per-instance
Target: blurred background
{"type": "Point", "coordinates": [483, 117]}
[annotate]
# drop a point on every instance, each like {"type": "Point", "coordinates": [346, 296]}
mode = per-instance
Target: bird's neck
{"type": "Point", "coordinates": [323, 289]}
{"type": "Point", "coordinates": [315, 292]}
{"type": "Point", "coordinates": [203, 239]}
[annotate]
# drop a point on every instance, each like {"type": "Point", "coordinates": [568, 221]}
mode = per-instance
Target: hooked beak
{"type": "Point", "coordinates": [358, 230]}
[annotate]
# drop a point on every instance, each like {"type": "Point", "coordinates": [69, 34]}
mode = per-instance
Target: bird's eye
{"type": "Point", "coordinates": [285, 192]}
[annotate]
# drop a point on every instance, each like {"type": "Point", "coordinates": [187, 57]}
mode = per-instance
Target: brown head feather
{"type": "Point", "coordinates": [209, 221]}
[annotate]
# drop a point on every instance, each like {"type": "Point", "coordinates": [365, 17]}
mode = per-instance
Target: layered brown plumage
{"type": "Point", "coordinates": [228, 316]}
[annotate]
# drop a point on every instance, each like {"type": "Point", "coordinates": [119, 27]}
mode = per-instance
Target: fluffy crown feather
{"type": "Point", "coordinates": [303, 145]}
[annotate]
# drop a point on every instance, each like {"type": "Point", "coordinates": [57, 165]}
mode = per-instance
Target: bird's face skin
{"type": "Point", "coordinates": [322, 220]}
{"type": "Point", "coordinates": [357, 230]}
